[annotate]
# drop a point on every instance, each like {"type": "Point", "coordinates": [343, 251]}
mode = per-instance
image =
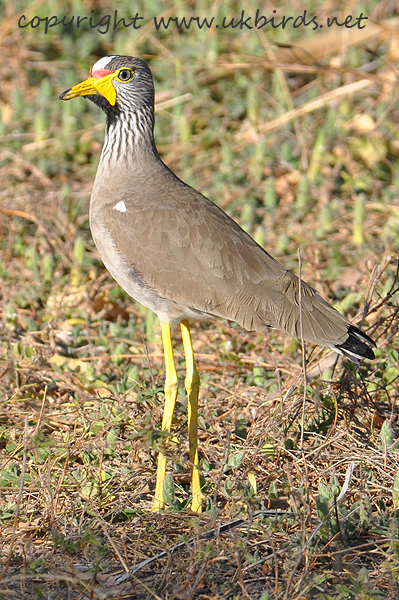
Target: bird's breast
{"type": "Point", "coordinates": [122, 268]}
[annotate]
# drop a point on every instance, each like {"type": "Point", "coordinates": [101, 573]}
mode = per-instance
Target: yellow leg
{"type": "Point", "coordinates": [192, 382]}
{"type": "Point", "coordinates": [171, 389]}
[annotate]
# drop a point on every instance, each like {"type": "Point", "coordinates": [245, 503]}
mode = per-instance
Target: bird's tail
{"type": "Point", "coordinates": [357, 346]}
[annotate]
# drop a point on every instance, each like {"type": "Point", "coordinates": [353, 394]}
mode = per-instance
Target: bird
{"type": "Point", "coordinates": [180, 255]}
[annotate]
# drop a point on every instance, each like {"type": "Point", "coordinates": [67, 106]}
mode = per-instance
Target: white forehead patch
{"type": "Point", "coordinates": [121, 206]}
{"type": "Point", "coordinates": [102, 63]}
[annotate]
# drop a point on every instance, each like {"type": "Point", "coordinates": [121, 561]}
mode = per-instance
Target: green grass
{"type": "Point", "coordinates": [81, 365]}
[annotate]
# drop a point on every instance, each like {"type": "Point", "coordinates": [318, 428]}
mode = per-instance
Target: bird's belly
{"type": "Point", "coordinates": [125, 274]}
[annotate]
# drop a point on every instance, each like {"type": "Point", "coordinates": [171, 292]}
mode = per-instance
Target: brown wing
{"type": "Point", "coordinates": [190, 252]}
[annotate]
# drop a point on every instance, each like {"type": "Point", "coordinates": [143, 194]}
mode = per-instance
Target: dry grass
{"type": "Point", "coordinates": [81, 366]}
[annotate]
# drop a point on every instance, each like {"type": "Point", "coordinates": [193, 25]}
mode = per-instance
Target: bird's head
{"type": "Point", "coordinates": [116, 83]}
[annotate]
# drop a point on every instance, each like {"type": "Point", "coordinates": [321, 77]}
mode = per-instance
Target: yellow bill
{"type": "Point", "coordinates": [93, 86]}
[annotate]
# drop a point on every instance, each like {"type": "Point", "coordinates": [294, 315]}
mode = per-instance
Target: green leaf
{"type": "Point", "coordinates": [386, 434]}
{"type": "Point", "coordinates": [236, 460]}
{"type": "Point", "coordinates": [273, 493]}
{"type": "Point", "coordinates": [228, 490]}
{"type": "Point", "coordinates": [241, 429]}
{"type": "Point", "coordinates": [268, 449]}
{"type": "Point", "coordinates": [252, 481]}
{"type": "Point", "coordinates": [322, 501]}
{"type": "Point", "coordinates": [118, 352]}
{"type": "Point", "coordinates": [96, 427]}
{"type": "Point", "coordinates": [395, 490]}
{"type": "Point", "coordinates": [169, 490]}
{"type": "Point", "coordinates": [79, 250]}
{"type": "Point", "coordinates": [90, 490]}
{"type": "Point", "coordinates": [363, 575]}
{"type": "Point", "coordinates": [359, 215]}
{"type": "Point", "coordinates": [48, 267]}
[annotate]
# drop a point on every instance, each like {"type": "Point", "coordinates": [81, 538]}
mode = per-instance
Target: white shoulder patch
{"type": "Point", "coordinates": [121, 206]}
{"type": "Point", "coordinates": [102, 63]}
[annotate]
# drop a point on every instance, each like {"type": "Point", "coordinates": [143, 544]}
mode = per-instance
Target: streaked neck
{"type": "Point", "coordinates": [129, 135]}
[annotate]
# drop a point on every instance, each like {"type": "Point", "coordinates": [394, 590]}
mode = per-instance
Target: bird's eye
{"type": "Point", "coordinates": [125, 74]}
